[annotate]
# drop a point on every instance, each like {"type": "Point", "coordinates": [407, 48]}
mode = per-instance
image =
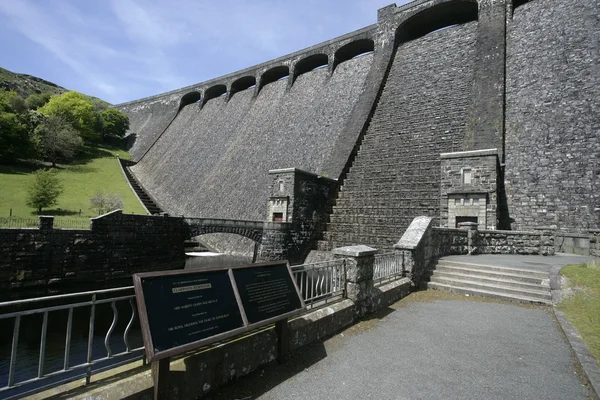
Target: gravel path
{"type": "Point", "coordinates": [445, 347]}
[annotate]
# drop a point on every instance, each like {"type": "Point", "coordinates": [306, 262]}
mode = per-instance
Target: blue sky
{"type": "Point", "coordinates": [121, 50]}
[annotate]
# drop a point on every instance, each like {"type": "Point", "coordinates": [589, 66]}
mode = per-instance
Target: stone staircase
{"type": "Point", "coordinates": [146, 200]}
{"type": "Point", "coordinates": [520, 285]}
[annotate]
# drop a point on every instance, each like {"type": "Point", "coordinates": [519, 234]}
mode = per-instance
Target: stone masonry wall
{"type": "Point", "coordinates": [421, 113]}
{"type": "Point", "coordinates": [309, 202]}
{"type": "Point", "coordinates": [553, 115]}
{"type": "Point", "coordinates": [147, 120]}
{"type": "Point", "coordinates": [483, 167]}
{"type": "Point", "coordinates": [448, 241]}
{"type": "Point", "coordinates": [118, 245]}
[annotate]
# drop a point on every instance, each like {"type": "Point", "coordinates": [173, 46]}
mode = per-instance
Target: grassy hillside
{"type": "Point", "coordinates": [97, 170]}
{"type": "Point", "coordinates": [26, 85]}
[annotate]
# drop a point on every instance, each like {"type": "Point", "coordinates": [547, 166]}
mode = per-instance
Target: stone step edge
{"type": "Point", "coordinates": [486, 293]}
{"type": "Point", "coordinates": [491, 273]}
{"type": "Point", "coordinates": [516, 283]}
{"type": "Point", "coordinates": [546, 294]}
{"type": "Point", "coordinates": [474, 266]}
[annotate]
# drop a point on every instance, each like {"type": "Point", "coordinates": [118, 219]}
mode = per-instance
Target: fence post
{"type": "Point", "coordinates": [45, 223]}
{"type": "Point", "coordinates": [359, 275]}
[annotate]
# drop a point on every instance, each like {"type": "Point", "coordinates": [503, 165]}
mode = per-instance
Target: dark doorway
{"type": "Point", "coordinates": [465, 219]}
{"type": "Point", "coordinates": [277, 217]}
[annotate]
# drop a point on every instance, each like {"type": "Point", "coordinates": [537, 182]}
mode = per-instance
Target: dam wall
{"type": "Point", "coordinates": [423, 111]}
{"type": "Point", "coordinates": [515, 79]}
{"type": "Point", "coordinates": [214, 161]}
{"type": "Point", "coordinates": [553, 115]}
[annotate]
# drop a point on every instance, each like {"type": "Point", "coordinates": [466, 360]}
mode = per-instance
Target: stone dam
{"type": "Point", "coordinates": [460, 110]}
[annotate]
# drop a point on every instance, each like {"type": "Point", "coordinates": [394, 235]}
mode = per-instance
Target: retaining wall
{"type": "Point", "coordinates": [34, 261]}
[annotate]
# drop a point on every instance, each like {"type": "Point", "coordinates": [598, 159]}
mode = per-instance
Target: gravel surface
{"type": "Point", "coordinates": [448, 348]}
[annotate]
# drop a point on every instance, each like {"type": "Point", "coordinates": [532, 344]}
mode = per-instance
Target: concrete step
{"type": "Point", "coordinates": [486, 293]}
{"type": "Point", "coordinates": [486, 268]}
{"type": "Point", "coordinates": [514, 282]}
{"type": "Point", "coordinates": [538, 293]}
{"type": "Point", "coordinates": [482, 273]}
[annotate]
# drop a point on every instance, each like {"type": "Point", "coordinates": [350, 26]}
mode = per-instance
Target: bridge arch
{"type": "Point", "coordinates": [189, 98]}
{"type": "Point", "coordinates": [244, 232]}
{"type": "Point", "coordinates": [243, 83]}
{"type": "Point", "coordinates": [353, 49]}
{"type": "Point", "coordinates": [310, 63]}
{"type": "Point", "coordinates": [214, 92]}
{"type": "Point", "coordinates": [441, 15]}
{"type": "Point", "coordinates": [252, 230]}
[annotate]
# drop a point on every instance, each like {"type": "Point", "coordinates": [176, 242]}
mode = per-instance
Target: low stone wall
{"type": "Point", "coordinates": [575, 243]}
{"type": "Point", "coordinates": [448, 241]}
{"type": "Point", "coordinates": [33, 261]}
{"type": "Point", "coordinates": [511, 242]}
{"type": "Point", "coordinates": [422, 244]}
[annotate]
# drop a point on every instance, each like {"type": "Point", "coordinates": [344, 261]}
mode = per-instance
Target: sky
{"type": "Point", "coordinates": [122, 50]}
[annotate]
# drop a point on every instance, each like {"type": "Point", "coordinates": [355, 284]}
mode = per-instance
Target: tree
{"type": "Point", "coordinates": [105, 203]}
{"type": "Point", "coordinates": [74, 108]}
{"type": "Point", "coordinates": [114, 124]}
{"type": "Point", "coordinates": [57, 140]}
{"type": "Point", "coordinates": [44, 190]}
{"type": "Point", "coordinates": [38, 100]}
{"type": "Point", "coordinates": [15, 139]}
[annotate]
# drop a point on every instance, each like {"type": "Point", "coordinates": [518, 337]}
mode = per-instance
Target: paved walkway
{"type": "Point", "coordinates": [433, 345]}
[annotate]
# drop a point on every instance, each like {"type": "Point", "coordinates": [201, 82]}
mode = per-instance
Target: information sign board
{"type": "Point", "coordinates": [183, 310]}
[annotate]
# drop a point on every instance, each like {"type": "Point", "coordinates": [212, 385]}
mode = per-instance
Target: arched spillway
{"type": "Point", "coordinates": [214, 161]}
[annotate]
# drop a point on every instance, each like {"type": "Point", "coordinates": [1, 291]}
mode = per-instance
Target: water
{"type": "Point", "coordinates": [213, 260]}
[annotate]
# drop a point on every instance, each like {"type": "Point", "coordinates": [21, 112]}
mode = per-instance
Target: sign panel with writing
{"type": "Point", "coordinates": [183, 310]}
{"type": "Point", "coordinates": [186, 308]}
{"type": "Point", "coordinates": [266, 292]}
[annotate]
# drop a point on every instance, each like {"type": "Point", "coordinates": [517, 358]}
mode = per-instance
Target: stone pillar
{"type": "Point", "coordinates": [595, 242]}
{"type": "Point", "coordinates": [486, 124]}
{"type": "Point", "coordinates": [547, 240]}
{"type": "Point", "coordinates": [45, 223]}
{"type": "Point", "coordinates": [472, 236]}
{"type": "Point", "coordinates": [359, 274]}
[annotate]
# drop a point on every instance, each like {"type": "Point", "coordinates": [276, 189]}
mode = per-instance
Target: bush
{"type": "Point", "coordinates": [44, 191]}
{"type": "Point", "coordinates": [105, 203]}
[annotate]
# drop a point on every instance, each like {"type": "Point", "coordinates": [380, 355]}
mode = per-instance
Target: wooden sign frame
{"type": "Point", "coordinates": [153, 355]}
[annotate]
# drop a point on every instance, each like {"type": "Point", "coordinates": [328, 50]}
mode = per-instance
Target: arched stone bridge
{"type": "Point", "coordinates": [253, 230]}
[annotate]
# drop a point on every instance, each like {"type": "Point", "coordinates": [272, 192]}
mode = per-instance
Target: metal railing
{"type": "Point", "coordinates": [83, 224]}
{"type": "Point", "coordinates": [387, 267]}
{"type": "Point", "coordinates": [321, 282]}
{"type": "Point", "coordinates": [19, 222]}
{"type": "Point", "coordinates": [68, 369]}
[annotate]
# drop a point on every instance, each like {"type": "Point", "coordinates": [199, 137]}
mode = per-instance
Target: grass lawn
{"type": "Point", "coordinates": [583, 307]}
{"type": "Point", "coordinates": [96, 170]}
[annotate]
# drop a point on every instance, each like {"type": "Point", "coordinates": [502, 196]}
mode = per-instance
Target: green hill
{"type": "Point", "coordinates": [26, 85]}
